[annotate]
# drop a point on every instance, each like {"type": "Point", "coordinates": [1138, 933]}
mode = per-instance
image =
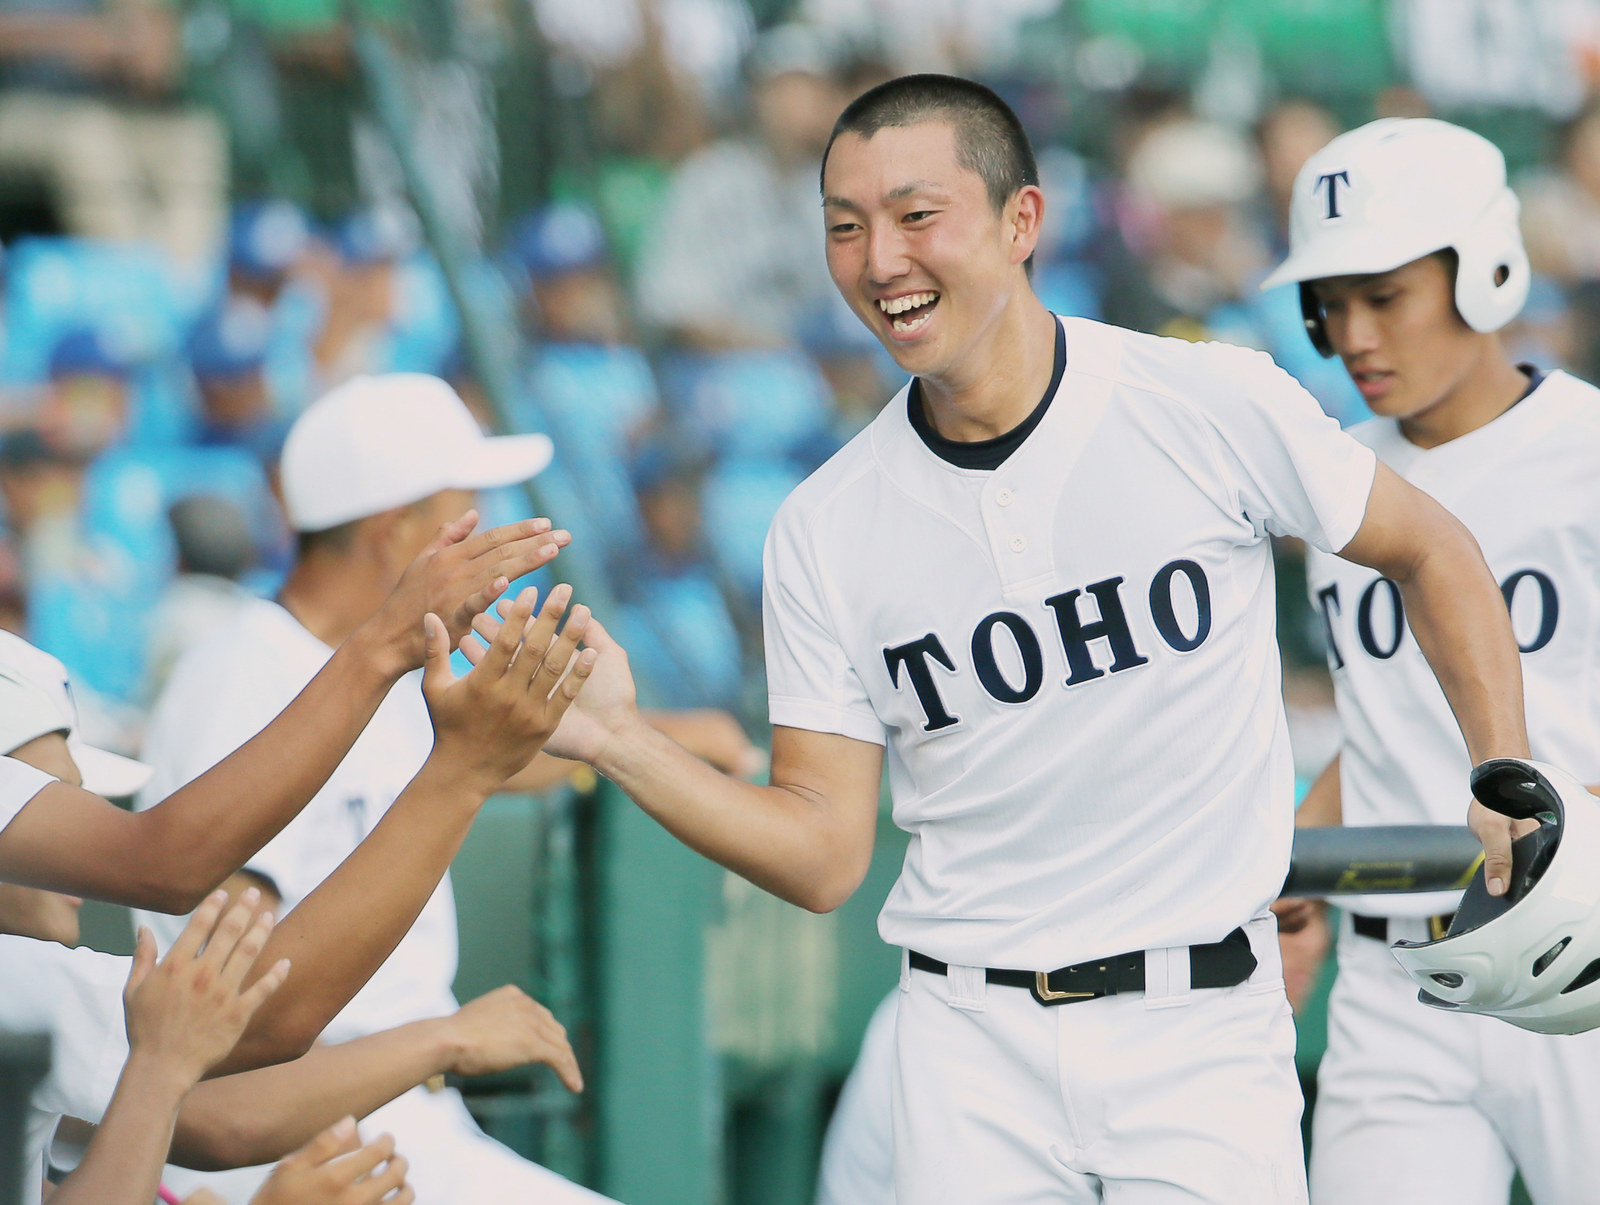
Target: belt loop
{"type": "Point", "coordinates": [969, 988]}
{"type": "Point", "coordinates": [1166, 977]}
{"type": "Point", "coordinates": [905, 970]}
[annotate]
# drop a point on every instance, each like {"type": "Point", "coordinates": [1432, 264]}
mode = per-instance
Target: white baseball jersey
{"type": "Point", "coordinates": [227, 689]}
{"type": "Point", "coordinates": [1527, 487]}
{"type": "Point", "coordinates": [19, 783]}
{"type": "Point", "coordinates": [76, 997]}
{"type": "Point", "coordinates": [1071, 658]}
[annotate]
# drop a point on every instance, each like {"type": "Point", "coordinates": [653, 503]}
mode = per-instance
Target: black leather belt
{"type": "Point", "coordinates": [1377, 927]}
{"type": "Point", "coordinates": [1224, 963]}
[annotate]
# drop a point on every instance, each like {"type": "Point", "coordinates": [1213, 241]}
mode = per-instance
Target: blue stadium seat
{"type": "Point", "coordinates": [125, 293]}
{"type": "Point", "coordinates": [757, 403]}
{"type": "Point", "coordinates": [738, 500]}
{"type": "Point", "coordinates": [425, 328]}
{"type": "Point", "coordinates": [681, 639]}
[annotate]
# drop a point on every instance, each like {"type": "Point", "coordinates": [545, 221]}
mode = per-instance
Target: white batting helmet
{"type": "Point", "coordinates": [1394, 191]}
{"type": "Point", "coordinates": [1532, 955]}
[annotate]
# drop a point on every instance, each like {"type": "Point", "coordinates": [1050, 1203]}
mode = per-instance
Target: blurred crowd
{"type": "Point", "coordinates": [205, 229]}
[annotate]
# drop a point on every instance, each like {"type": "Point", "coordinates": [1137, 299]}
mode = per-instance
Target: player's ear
{"type": "Point", "coordinates": [1023, 221]}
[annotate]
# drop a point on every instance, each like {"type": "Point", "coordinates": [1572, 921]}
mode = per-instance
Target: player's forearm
{"type": "Point", "coordinates": [207, 829]}
{"type": "Point", "coordinates": [344, 930]}
{"type": "Point", "coordinates": [784, 841]}
{"type": "Point", "coordinates": [260, 1116]}
{"type": "Point", "coordinates": [1322, 805]}
{"type": "Point", "coordinates": [1459, 618]}
{"type": "Point", "coordinates": [122, 1165]}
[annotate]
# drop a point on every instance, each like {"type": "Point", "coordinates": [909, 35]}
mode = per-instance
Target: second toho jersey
{"type": "Point", "coordinates": [1527, 486]}
{"type": "Point", "coordinates": [1071, 658]}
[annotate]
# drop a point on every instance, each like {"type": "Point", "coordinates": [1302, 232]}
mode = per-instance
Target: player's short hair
{"type": "Point", "coordinates": [990, 139]}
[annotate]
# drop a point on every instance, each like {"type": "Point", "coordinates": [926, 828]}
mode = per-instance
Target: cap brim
{"type": "Point", "coordinates": [108, 774]}
{"type": "Point", "coordinates": [503, 460]}
{"type": "Point", "coordinates": [1355, 256]}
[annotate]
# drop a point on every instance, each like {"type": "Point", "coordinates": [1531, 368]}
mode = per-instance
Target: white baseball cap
{"type": "Point", "coordinates": [36, 700]}
{"type": "Point", "coordinates": [378, 442]}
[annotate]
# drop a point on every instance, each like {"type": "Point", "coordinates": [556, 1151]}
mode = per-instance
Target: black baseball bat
{"type": "Point", "coordinates": [1387, 859]}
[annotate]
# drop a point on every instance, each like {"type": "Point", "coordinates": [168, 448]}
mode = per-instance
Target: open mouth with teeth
{"type": "Point", "coordinates": [910, 313]}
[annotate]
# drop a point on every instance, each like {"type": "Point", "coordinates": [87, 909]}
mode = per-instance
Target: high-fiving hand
{"type": "Point", "coordinates": [189, 1009]}
{"type": "Point", "coordinates": [491, 722]}
{"type": "Point", "coordinates": [335, 1169]}
{"type": "Point", "coordinates": [457, 576]}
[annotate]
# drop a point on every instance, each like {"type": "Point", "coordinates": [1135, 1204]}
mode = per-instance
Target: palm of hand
{"type": "Point", "coordinates": [606, 704]}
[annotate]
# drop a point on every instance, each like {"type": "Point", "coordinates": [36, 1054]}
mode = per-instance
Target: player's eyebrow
{"type": "Point", "coordinates": [894, 194]}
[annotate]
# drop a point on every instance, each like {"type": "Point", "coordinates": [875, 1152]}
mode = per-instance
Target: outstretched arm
{"type": "Point", "coordinates": [1459, 618]}
{"type": "Point", "coordinates": [259, 1116]}
{"type": "Point", "coordinates": [807, 837]}
{"type": "Point", "coordinates": [484, 726]}
{"type": "Point", "coordinates": [183, 1015]}
{"type": "Point", "coordinates": [167, 858]}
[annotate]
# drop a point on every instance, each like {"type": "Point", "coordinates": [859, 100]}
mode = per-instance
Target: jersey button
{"type": "Point", "coordinates": [1003, 497]}
{"type": "Point", "coordinates": [1018, 544]}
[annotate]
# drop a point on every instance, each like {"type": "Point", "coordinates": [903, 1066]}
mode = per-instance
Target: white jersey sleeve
{"type": "Point", "coordinates": [76, 997]}
{"type": "Point", "coordinates": [811, 682]}
{"type": "Point", "coordinates": [19, 783]}
{"type": "Point", "coordinates": [1295, 470]}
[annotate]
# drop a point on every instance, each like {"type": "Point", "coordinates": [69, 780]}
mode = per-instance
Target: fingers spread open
{"type": "Point", "coordinates": [498, 537]}
{"type": "Point", "coordinates": [338, 1139]}
{"type": "Point", "coordinates": [199, 927]}
{"type": "Point", "coordinates": [352, 1167]}
{"type": "Point", "coordinates": [559, 657]}
{"type": "Point", "coordinates": [231, 928]}
{"type": "Point", "coordinates": [244, 954]}
{"type": "Point", "coordinates": [453, 532]}
{"type": "Point", "coordinates": [503, 648]}
{"type": "Point", "coordinates": [516, 557]}
{"type": "Point", "coordinates": [258, 991]}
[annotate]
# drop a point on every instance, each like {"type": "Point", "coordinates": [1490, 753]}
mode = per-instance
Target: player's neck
{"type": "Point", "coordinates": [1481, 396]}
{"type": "Point", "coordinates": [1000, 379]}
{"type": "Point", "coordinates": [329, 598]}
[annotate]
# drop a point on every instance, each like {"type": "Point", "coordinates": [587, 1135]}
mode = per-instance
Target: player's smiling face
{"type": "Point", "coordinates": [914, 244]}
{"type": "Point", "coordinates": [1399, 335]}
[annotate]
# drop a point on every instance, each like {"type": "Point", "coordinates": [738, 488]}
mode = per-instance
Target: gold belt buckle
{"type": "Point", "coordinates": [1044, 995]}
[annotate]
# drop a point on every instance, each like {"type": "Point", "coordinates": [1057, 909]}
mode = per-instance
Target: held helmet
{"type": "Point", "coordinates": [1532, 955]}
{"type": "Point", "coordinates": [1398, 189]}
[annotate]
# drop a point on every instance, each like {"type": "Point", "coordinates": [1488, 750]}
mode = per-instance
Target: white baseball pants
{"type": "Point", "coordinates": [453, 1162]}
{"type": "Point", "coordinates": [1433, 1108]}
{"type": "Point", "coordinates": [1166, 1097]}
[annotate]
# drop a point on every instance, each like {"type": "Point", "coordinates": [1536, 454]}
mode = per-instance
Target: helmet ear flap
{"type": "Point", "coordinates": [1316, 322]}
{"type": "Point", "coordinates": [1492, 273]}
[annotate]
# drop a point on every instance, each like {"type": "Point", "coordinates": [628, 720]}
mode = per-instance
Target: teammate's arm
{"type": "Point", "coordinates": [806, 838]}
{"type": "Point", "coordinates": [1456, 612]}
{"type": "Point", "coordinates": [183, 1015]}
{"type": "Point", "coordinates": [259, 1116]}
{"type": "Point", "coordinates": [168, 858]}
{"type": "Point", "coordinates": [1322, 805]}
{"type": "Point", "coordinates": [484, 725]}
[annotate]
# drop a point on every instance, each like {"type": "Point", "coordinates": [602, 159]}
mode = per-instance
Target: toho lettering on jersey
{"type": "Point", "coordinates": [1071, 658]}
{"type": "Point", "coordinates": [1525, 485]}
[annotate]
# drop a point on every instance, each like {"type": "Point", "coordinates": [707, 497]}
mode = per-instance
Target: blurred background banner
{"type": "Point", "coordinates": [599, 219]}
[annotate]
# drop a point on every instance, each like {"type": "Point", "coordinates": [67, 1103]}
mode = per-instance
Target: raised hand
{"type": "Point", "coordinates": [335, 1169]}
{"type": "Point", "coordinates": [609, 702]}
{"type": "Point", "coordinates": [188, 1010]}
{"type": "Point", "coordinates": [492, 722]}
{"type": "Point", "coordinates": [506, 1028]}
{"type": "Point", "coordinates": [457, 576]}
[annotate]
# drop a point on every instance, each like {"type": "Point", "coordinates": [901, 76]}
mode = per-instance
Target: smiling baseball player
{"type": "Point", "coordinates": [1040, 584]}
{"type": "Point", "coordinates": [1405, 241]}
